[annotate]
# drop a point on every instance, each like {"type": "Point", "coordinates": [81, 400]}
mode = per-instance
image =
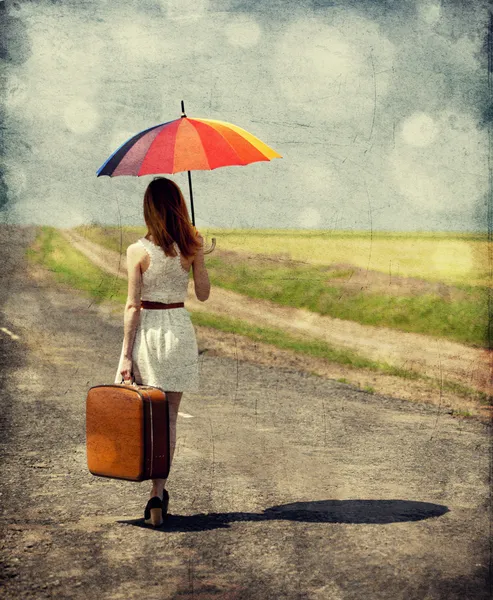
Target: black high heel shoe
{"type": "Point", "coordinates": [153, 514]}
{"type": "Point", "coordinates": [156, 510]}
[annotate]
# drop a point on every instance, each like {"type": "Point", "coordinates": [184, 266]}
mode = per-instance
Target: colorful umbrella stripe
{"type": "Point", "coordinates": [186, 145]}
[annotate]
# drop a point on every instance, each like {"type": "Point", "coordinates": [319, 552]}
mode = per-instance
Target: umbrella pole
{"type": "Point", "coordinates": [209, 250]}
{"type": "Point", "coordinates": [191, 196]}
{"type": "Point", "coordinates": [183, 115]}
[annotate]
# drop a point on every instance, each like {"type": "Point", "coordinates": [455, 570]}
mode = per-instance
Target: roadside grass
{"type": "Point", "coordinates": [278, 338]}
{"type": "Point", "coordinates": [51, 250]}
{"type": "Point", "coordinates": [460, 413]}
{"type": "Point", "coordinates": [113, 238]}
{"type": "Point", "coordinates": [315, 288]}
{"type": "Point", "coordinates": [308, 287]}
{"type": "Point", "coordinates": [451, 386]}
{"type": "Point", "coordinates": [72, 268]}
{"type": "Point", "coordinates": [447, 257]}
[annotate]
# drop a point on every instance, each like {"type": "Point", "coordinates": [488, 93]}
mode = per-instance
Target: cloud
{"type": "Point", "coordinates": [419, 130]}
{"type": "Point", "coordinates": [429, 12]}
{"type": "Point", "coordinates": [448, 174]}
{"type": "Point", "coordinates": [354, 104]}
{"type": "Point", "coordinates": [333, 71]}
{"type": "Point", "coordinates": [81, 116]}
{"type": "Point", "coordinates": [139, 43]}
{"type": "Point", "coordinates": [15, 92]}
{"type": "Point", "coordinates": [185, 10]}
{"type": "Point", "coordinates": [243, 31]}
{"type": "Point", "coordinates": [309, 218]}
{"type": "Point", "coordinates": [14, 176]}
{"type": "Point", "coordinates": [14, 42]}
{"type": "Point", "coordinates": [60, 71]}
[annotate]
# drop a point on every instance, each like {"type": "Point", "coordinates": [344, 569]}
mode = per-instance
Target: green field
{"type": "Point", "coordinates": [450, 258]}
{"type": "Point", "coordinates": [69, 267]}
{"type": "Point", "coordinates": [50, 249]}
{"type": "Point", "coordinates": [458, 312]}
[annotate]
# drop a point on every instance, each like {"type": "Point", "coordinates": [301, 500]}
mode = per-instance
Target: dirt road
{"type": "Point", "coordinates": [284, 485]}
{"type": "Point", "coordinates": [434, 357]}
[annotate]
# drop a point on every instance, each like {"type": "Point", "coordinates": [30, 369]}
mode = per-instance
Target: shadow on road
{"type": "Point", "coordinates": [322, 511]}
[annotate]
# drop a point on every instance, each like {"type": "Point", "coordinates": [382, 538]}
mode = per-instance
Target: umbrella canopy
{"type": "Point", "coordinates": [186, 145]}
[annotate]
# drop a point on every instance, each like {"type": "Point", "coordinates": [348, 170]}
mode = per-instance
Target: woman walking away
{"type": "Point", "coordinates": [159, 345]}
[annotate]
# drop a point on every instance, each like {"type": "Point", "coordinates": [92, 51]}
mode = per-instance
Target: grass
{"type": "Point", "coordinates": [315, 287]}
{"type": "Point", "coordinates": [72, 268]}
{"type": "Point", "coordinates": [460, 413]}
{"type": "Point", "coordinates": [452, 258]}
{"type": "Point", "coordinates": [449, 259]}
{"type": "Point", "coordinates": [278, 338]}
{"type": "Point", "coordinates": [307, 287]}
{"type": "Point", "coordinates": [463, 390]}
{"type": "Point", "coordinates": [113, 238]}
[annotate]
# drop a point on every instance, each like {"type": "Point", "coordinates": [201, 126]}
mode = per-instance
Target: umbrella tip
{"type": "Point", "coordinates": [183, 110]}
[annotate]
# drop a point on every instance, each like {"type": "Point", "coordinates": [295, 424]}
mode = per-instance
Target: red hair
{"type": "Point", "coordinates": [167, 219]}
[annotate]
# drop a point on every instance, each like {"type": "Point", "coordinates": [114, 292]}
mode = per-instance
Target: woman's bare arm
{"type": "Point", "coordinates": [200, 275]}
{"type": "Point", "coordinates": [132, 306]}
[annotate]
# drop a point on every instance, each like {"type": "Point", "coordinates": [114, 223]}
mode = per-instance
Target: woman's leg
{"type": "Point", "coordinates": [174, 402]}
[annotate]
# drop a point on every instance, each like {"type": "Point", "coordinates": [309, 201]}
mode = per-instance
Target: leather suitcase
{"type": "Point", "coordinates": [127, 432]}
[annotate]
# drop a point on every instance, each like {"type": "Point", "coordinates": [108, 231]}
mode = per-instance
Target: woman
{"type": "Point", "coordinates": [159, 346]}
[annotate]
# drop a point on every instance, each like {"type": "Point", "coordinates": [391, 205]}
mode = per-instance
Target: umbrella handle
{"type": "Point", "coordinates": [213, 245]}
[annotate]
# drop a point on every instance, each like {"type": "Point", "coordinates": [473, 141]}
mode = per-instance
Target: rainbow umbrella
{"type": "Point", "coordinates": [186, 145]}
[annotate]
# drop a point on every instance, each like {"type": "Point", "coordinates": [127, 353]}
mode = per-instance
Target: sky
{"type": "Point", "coordinates": [379, 109]}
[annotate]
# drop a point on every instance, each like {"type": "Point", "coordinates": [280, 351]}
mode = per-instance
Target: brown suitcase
{"type": "Point", "coordinates": [127, 432]}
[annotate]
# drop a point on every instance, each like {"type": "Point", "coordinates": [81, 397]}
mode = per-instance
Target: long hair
{"type": "Point", "coordinates": [167, 219]}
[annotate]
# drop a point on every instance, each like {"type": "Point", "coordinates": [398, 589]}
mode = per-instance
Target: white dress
{"type": "Point", "coordinates": [165, 352]}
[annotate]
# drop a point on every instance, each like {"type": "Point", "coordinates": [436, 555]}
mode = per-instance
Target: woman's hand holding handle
{"type": "Point", "coordinates": [126, 371]}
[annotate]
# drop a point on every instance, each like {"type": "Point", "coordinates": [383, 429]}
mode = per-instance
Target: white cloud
{"type": "Point", "coordinates": [309, 217]}
{"type": "Point", "coordinates": [429, 12]}
{"type": "Point", "coordinates": [243, 31]}
{"type": "Point", "coordinates": [81, 116]}
{"type": "Point", "coordinates": [451, 173]}
{"type": "Point", "coordinates": [466, 52]}
{"type": "Point", "coordinates": [185, 9]}
{"type": "Point", "coordinates": [138, 40]}
{"type": "Point", "coordinates": [419, 130]}
{"type": "Point", "coordinates": [51, 208]}
{"type": "Point", "coordinates": [317, 180]}
{"type": "Point", "coordinates": [63, 66]}
{"type": "Point", "coordinates": [306, 86]}
{"type": "Point", "coordinates": [333, 71]}
{"type": "Point", "coordinates": [417, 183]}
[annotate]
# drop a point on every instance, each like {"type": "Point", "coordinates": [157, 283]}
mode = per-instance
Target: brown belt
{"type": "Point", "coordinates": [160, 305]}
